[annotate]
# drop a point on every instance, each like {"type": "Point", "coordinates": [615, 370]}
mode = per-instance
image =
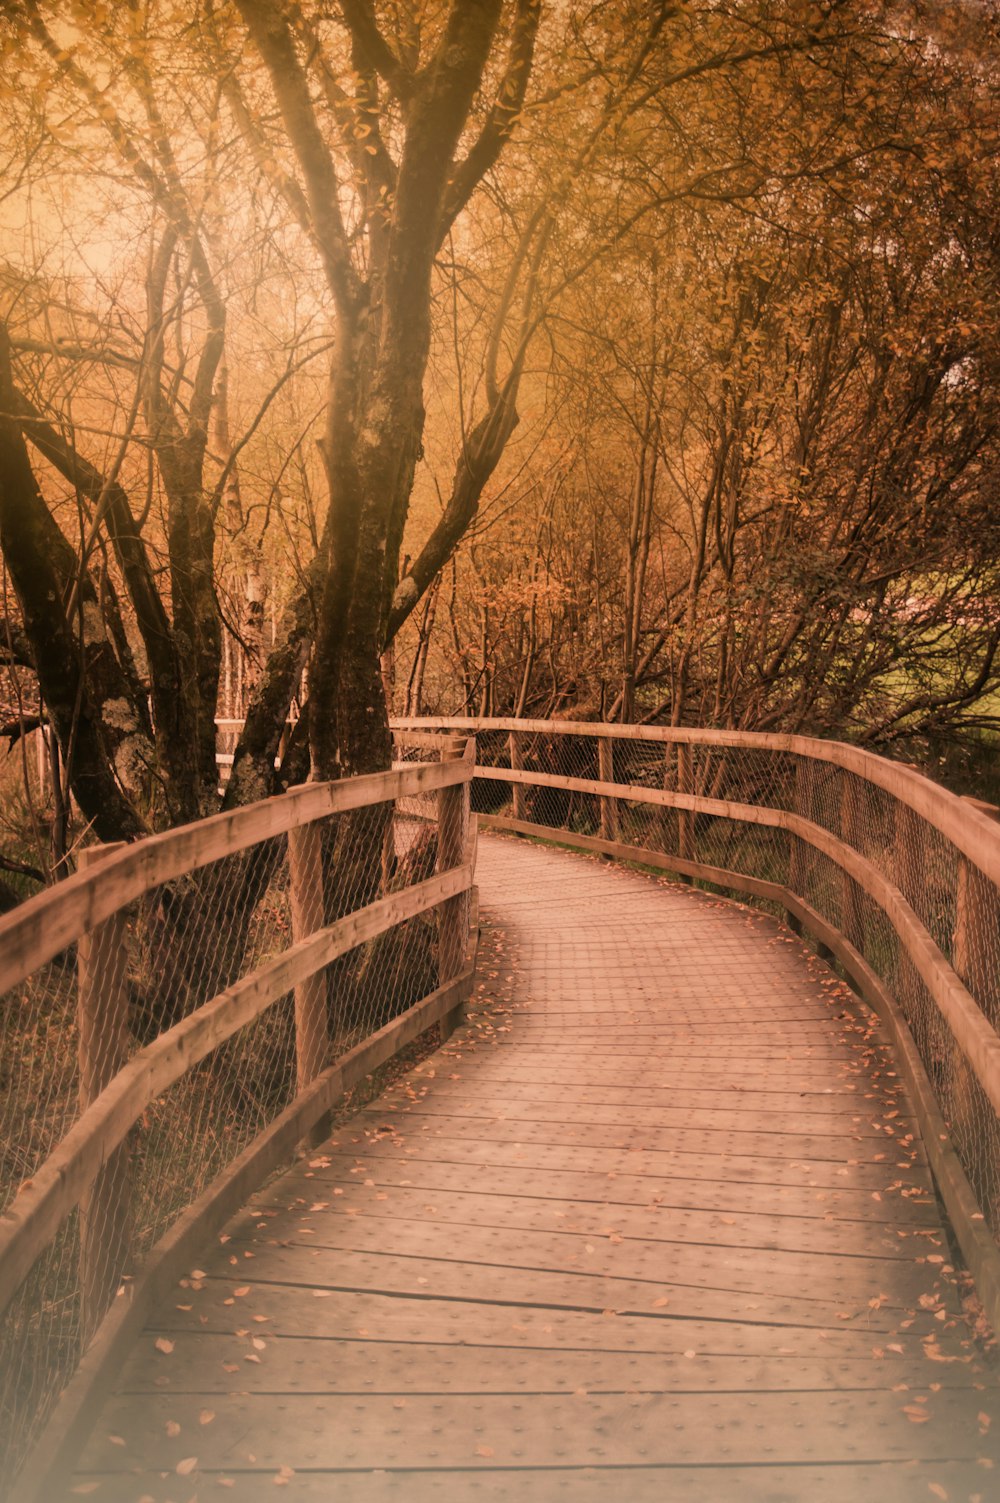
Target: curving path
{"type": "Point", "coordinates": [656, 1225]}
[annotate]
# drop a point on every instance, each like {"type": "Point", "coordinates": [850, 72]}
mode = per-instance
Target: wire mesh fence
{"type": "Point", "coordinates": [190, 959]}
{"type": "Point", "coordinates": [567, 770]}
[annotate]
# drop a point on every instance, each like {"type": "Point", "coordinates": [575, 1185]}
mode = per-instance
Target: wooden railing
{"type": "Point", "coordinates": [200, 1001]}
{"type": "Point", "coordinates": [896, 880]}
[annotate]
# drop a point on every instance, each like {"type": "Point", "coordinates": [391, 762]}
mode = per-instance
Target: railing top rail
{"type": "Point", "coordinates": [32, 934]}
{"type": "Point", "coordinates": [962, 821]}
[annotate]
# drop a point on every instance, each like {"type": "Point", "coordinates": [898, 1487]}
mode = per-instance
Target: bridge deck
{"type": "Point", "coordinates": [657, 1224]}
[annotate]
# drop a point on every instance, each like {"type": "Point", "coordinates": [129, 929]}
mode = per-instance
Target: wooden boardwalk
{"type": "Point", "coordinates": [655, 1225]}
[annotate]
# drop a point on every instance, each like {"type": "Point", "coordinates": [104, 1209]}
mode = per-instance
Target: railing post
{"type": "Point", "coordinates": [102, 1017]}
{"type": "Point", "coordinates": [606, 774]}
{"type": "Point", "coordinates": [798, 850]}
{"type": "Point", "coordinates": [851, 913]}
{"type": "Point", "coordinates": [685, 818]}
{"type": "Point", "coordinates": [907, 873]}
{"type": "Point", "coordinates": [312, 1042]}
{"type": "Point", "coordinates": [515, 742]}
{"type": "Point", "coordinates": [453, 824]}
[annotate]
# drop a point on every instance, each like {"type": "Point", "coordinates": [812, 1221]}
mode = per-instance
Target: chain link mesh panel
{"type": "Point", "coordinates": [70, 1027]}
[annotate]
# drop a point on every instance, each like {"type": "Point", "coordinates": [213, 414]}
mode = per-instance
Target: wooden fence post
{"type": "Point", "coordinates": [799, 852]}
{"type": "Point", "coordinates": [906, 872]}
{"type": "Point", "coordinates": [102, 1017]}
{"type": "Point", "coordinates": [852, 913]}
{"type": "Point", "coordinates": [453, 825]}
{"type": "Point", "coordinates": [606, 774]}
{"type": "Point", "coordinates": [685, 818]}
{"type": "Point", "coordinates": [515, 742]}
{"type": "Point", "coordinates": [312, 1040]}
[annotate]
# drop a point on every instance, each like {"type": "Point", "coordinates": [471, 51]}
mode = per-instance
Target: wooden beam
{"type": "Point", "coordinates": [102, 1048]}
{"type": "Point", "coordinates": [306, 892]}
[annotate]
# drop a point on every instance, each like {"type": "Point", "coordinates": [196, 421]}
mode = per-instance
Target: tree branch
{"type": "Point", "coordinates": [359, 16]}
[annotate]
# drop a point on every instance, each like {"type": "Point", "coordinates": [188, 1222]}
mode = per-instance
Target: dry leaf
{"type": "Point", "coordinates": [116, 1440]}
{"type": "Point", "coordinates": [206, 1416]}
{"type": "Point", "coordinates": [186, 1467]}
{"type": "Point", "coordinates": [243, 1289]}
{"type": "Point", "coordinates": [938, 1491]}
{"type": "Point", "coordinates": [163, 1345]}
{"type": "Point", "coordinates": [172, 1428]}
{"type": "Point", "coordinates": [485, 1451]}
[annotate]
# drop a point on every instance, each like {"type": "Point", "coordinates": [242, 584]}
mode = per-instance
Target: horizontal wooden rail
{"type": "Point", "coordinates": [969, 827]}
{"type": "Point", "coordinates": [32, 934]}
{"type": "Point", "coordinates": [35, 1215]}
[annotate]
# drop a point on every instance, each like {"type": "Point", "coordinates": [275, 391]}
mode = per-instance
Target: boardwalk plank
{"type": "Point", "coordinates": [702, 1250]}
{"type": "Point", "coordinates": [374, 1430]}
{"type": "Point", "coordinates": [613, 1163]}
{"type": "Point", "coordinates": [648, 1217]}
{"type": "Point", "coordinates": [380, 1316]}
{"type": "Point", "coordinates": [302, 1364]}
{"type": "Point", "coordinates": [888, 1482]}
{"type": "Point", "coordinates": [772, 1144]}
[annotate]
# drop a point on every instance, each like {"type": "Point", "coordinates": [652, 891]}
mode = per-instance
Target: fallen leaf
{"type": "Point", "coordinates": [206, 1416]}
{"type": "Point", "coordinates": [485, 1451]}
{"type": "Point", "coordinates": [172, 1428]}
{"type": "Point", "coordinates": [163, 1345]}
{"type": "Point", "coordinates": [186, 1467]}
